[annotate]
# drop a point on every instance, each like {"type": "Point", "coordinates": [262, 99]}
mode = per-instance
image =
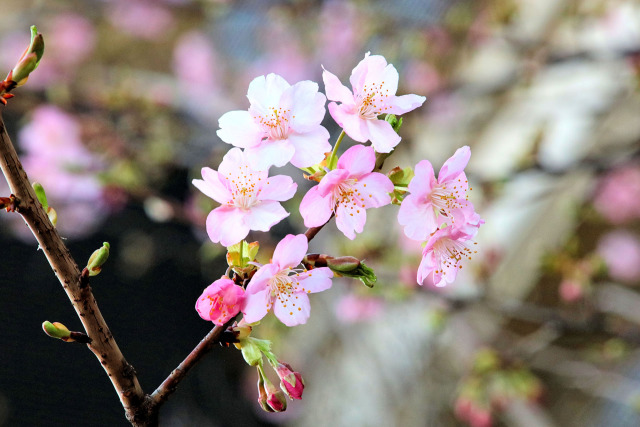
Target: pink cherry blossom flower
{"type": "Point", "coordinates": [347, 191]}
{"type": "Point", "coordinates": [433, 200]}
{"type": "Point", "coordinates": [280, 287]}
{"type": "Point", "coordinates": [356, 308]}
{"type": "Point", "coordinates": [250, 199]}
{"type": "Point", "coordinates": [220, 301]}
{"type": "Point", "coordinates": [443, 254]}
{"type": "Point", "coordinates": [282, 124]}
{"type": "Point", "coordinates": [374, 84]}
{"type": "Point", "coordinates": [621, 253]}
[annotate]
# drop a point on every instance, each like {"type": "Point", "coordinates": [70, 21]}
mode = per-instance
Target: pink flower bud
{"type": "Point", "coordinates": [571, 291]}
{"type": "Point", "coordinates": [220, 301]}
{"type": "Point", "coordinates": [291, 382]}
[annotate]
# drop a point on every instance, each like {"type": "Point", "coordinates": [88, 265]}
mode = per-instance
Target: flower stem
{"type": "Point", "coordinates": [334, 152]}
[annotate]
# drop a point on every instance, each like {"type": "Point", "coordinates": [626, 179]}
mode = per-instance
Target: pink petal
{"type": "Point", "coordinates": [350, 220]}
{"type": "Point", "coordinates": [335, 90]}
{"type": "Point", "coordinates": [423, 181]}
{"type": "Point", "coordinates": [331, 180]}
{"type": "Point", "coordinates": [418, 218]}
{"type": "Point", "coordinates": [306, 105]}
{"type": "Point", "coordinates": [260, 280]}
{"type": "Point", "coordinates": [349, 120]}
{"type": "Point", "coordinates": [315, 209]}
{"type": "Point", "coordinates": [389, 80]}
{"type": "Point", "coordinates": [234, 164]}
{"type": "Point", "coordinates": [238, 128]}
{"type": "Point", "coordinates": [310, 147]}
{"type": "Point", "coordinates": [427, 266]}
{"type": "Point", "coordinates": [370, 69]}
{"type": "Point", "coordinates": [225, 224]}
{"type": "Point", "coordinates": [404, 104]}
{"type": "Point", "coordinates": [455, 164]}
{"type": "Point", "coordinates": [358, 160]}
{"type": "Point", "coordinates": [290, 251]}
{"type": "Point", "coordinates": [265, 215]}
{"type": "Point", "coordinates": [212, 187]}
{"type": "Point", "coordinates": [255, 306]}
{"type": "Point", "coordinates": [265, 92]}
{"type": "Point", "coordinates": [270, 153]}
{"type": "Point", "coordinates": [292, 309]}
{"type": "Point", "coordinates": [382, 135]}
{"type": "Point", "coordinates": [316, 280]}
{"type": "Point", "coordinates": [374, 188]}
{"type": "Point", "coordinates": [278, 187]}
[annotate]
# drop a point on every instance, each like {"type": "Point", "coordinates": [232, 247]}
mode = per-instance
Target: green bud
{"type": "Point", "coordinates": [41, 195]}
{"type": "Point", "coordinates": [97, 259]}
{"type": "Point", "coordinates": [242, 253]}
{"type": "Point", "coordinates": [352, 267]}
{"type": "Point", "coordinates": [53, 216]}
{"type": "Point", "coordinates": [401, 177]}
{"type": "Point", "coordinates": [394, 121]}
{"type": "Point", "coordinates": [56, 330]}
{"type": "Point", "coordinates": [30, 58]}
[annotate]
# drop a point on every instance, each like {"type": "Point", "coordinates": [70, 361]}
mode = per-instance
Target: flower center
{"type": "Point", "coordinates": [275, 123]}
{"type": "Point", "coordinates": [449, 195]}
{"type": "Point", "coordinates": [371, 101]}
{"type": "Point", "coordinates": [244, 188]}
{"type": "Point", "coordinates": [347, 194]}
{"type": "Point", "coordinates": [451, 252]}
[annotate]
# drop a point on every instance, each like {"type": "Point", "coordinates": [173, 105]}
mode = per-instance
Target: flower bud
{"type": "Point", "coordinates": [290, 382]}
{"type": "Point", "coordinates": [97, 259]}
{"type": "Point", "coordinates": [269, 397]}
{"type": "Point", "coordinates": [262, 393]}
{"type": "Point", "coordinates": [349, 266]}
{"type": "Point", "coordinates": [394, 121]}
{"type": "Point", "coordinates": [41, 195]}
{"type": "Point", "coordinates": [29, 59]}
{"type": "Point", "coordinates": [56, 330]}
{"type": "Point", "coordinates": [53, 215]}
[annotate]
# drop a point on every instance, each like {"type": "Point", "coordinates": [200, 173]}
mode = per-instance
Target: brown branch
{"type": "Point", "coordinates": [103, 344]}
{"type": "Point", "coordinates": [169, 385]}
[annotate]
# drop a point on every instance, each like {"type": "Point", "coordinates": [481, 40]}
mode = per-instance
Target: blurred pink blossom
{"type": "Point", "coordinates": [621, 252]}
{"type": "Point", "coordinates": [341, 31]}
{"type": "Point", "coordinates": [421, 77]}
{"type": "Point", "coordinates": [139, 18]}
{"type": "Point", "coordinates": [70, 39]}
{"type": "Point", "coordinates": [618, 197]}
{"type": "Point", "coordinates": [195, 62]}
{"type": "Point", "coordinates": [355, 308]}
{"type": "Point", "coordinates": [571, 290]}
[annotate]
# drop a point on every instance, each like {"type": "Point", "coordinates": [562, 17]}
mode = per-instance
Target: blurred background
{"type": "Point", "coordinates": [542, 326]}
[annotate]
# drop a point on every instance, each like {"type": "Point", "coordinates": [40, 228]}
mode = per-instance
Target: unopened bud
{"type": "Point", "coordinates": [269, 397]}
{"type": "Point", "coordinates": [97, 259]}
{"type": "Point", "coordinates": [395, 122]}
{"type": "Point", "coordinates": [291, 382]}
{"type": "Point", "coordinates": [56, 330]}
{"type": "Point", "coordinates": [29, 59]}
{"type": "Point", "coordinates": [349, 266]}
{"type": "Point", "coordinates": [53, 216]}
{"type": "Point", "coordinates": [41, 195]}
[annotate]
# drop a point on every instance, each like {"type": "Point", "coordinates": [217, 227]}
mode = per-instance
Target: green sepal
{"type": "Point", "coordinates": [248, 251]}
{"type": "Point", "coordinates": [395, 122]}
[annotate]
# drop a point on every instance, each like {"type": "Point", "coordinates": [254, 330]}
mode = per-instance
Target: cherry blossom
{"type": "Point", "coordinates": [433, 201]}
{"type": "Point", "coordinates": [220, 301]}
{"type": "Point", "coordinates": [443, 254]}
{"type": "Point", "coordinates": [374, 84]}
{"type": "Point", "coordinates": [282, 124]}
{"type": "Point", "coordinates": [291, 382]}
{"type": "Point", "coordinates": [620, 251]}
{"type": "Point", "coordinates": [250, 199]}
{"type": "Point", "coordinates": [280, 287]}
{"type": "Point", "coordinates": [347, 191]}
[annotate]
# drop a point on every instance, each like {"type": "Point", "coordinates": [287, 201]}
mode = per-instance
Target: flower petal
{"type": "Point", "coordinates": [316, 280]}
{"type": "Point", "coordinates": [404, 104]}
{"type": "Point", "coordinates": [256, 305]}
{"type": "Point", "coordinates": [270, 153]}
{"type": "Point", "coordinates": [292, 309]}
{"type": "Point", "coordinates": [290, 251]}
{"type": "Point", "coordinates": [424, 179]}
{"type": "Point", "coordinates": [331, 180]}
{"type": "Point", "coordinates": [382, 135]}
{"type": "Point", "coordinates": [212, 187]}
{"type": "Point", "coordinates": [265, 215]}
{"type": "Point", "coordinates": [306, 106]}
{"type": "Point", "coordinates": [358, 160]}
{"type": "Point", "coordinates": [278, 187]}
{"type": "Point", "coordinates": [266, 91]}
{"type": "Point", "coordinates": [310, 147]}
{"type": "Point", "coordinates": [418, 218]}
{"type": "Point", "coordinates": [349, 120]}
{"type": "Point", "coordinates": [238, 128]}
{"type": "Point", "coordinates": [315, 209]}
{"type": "Point", "coordinates": [335, 90]}
{"type": "Point", "coordinates": [455, 165]}
{"type": "Point", "coordinates": [374, 188]}
{"type": "Point", "coordinates": [370, 69]}
{"type": "Point", "coordinates": [226, 224]}
{"type": "Point", "coordinates": [350, 219]}
{"type": "Point", "coordinates": [260, 280]}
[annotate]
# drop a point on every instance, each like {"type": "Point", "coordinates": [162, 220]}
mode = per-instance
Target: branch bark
{"type": "Point", "coordinates": [103, 344]}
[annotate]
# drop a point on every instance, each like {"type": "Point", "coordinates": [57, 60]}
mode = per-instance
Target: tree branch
{"type": "Point", "coordinates": [103, 344]}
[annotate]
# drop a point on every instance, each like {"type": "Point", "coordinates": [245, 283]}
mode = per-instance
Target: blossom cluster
{"type": "Point", "coordinates": [283, 124]}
